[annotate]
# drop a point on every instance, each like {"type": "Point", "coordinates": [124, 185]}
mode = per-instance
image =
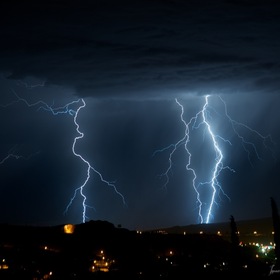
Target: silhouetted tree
{"type": "Point", "coordinates": [234, 232]}
{"type": "Point", "coordinates": [276, 228]}
{"type": "Point", "coordinates": [235, 248]}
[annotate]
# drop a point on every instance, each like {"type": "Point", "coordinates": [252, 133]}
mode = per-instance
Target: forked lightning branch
{"type": "Point", "coordinates": [69, 108]}
{"type": "Point", "coordinates": [202, 120]}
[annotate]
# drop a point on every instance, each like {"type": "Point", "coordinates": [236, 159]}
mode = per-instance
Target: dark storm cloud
{"type": "Point", "coordinates": [144, 49]}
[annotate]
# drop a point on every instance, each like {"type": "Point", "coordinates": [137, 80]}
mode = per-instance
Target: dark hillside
{"type": "Point", "coordinates": [97, 249]}
{"type": "Point", "coordinates": [260, 229]}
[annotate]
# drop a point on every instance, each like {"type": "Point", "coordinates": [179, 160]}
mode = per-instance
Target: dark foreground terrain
{"type": "Point", "coordinates": [99, 250]}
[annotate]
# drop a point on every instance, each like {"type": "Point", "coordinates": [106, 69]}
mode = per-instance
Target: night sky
{"type": "Point", "coordinates": [127, 63]}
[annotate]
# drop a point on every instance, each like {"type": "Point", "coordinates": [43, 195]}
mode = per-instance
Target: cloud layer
{"type": "Point", "coordinates": [144, 49]}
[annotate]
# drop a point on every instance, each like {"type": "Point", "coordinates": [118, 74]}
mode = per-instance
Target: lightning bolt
{"type": "Point", "coordinates": [12, 154]}
{"type": "Point", "coordinates": [202, 120]}
{"type": "Point", "coordinates": [89, 168]}
{"type": "Point", "coordinates": [67, 109]}
{"type": "Point", "coordinates": [267, 140]}
{"type": "Point", "coordinates": [31, 86]}
{"type": "Point", "coordinates": [218, 166]}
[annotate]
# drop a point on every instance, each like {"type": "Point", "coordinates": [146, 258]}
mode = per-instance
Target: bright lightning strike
{"type": "Point", "coordinates": [202, 120]}
{"type": "Point", "coordinates": [89, 168]}
{"type": "Point", "coordinates": [67, 109]}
